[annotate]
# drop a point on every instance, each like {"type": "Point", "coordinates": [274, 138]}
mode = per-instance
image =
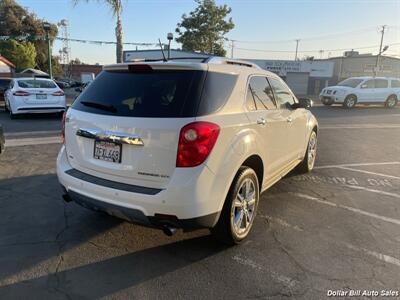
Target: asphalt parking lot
{"type": "Point", "coordinates": [337, 228]}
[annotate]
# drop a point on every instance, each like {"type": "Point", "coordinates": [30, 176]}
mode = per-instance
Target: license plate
{"type": "Point", "coordinates": [41, 96]}
{"type": "Point", "coordinates": [107, 151]}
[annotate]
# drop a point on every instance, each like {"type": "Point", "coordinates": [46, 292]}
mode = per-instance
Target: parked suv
{"type": "Point", "coordinates": [363, 90]}
{"type": "Point", "coordinates": [184, 144]}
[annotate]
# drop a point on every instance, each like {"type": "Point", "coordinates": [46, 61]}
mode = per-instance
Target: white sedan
{"type": "Point", "coordinates": [34, 95]}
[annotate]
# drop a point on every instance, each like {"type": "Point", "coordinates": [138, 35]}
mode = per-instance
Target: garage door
{"type": "Point", "coordinates": [298, 82]}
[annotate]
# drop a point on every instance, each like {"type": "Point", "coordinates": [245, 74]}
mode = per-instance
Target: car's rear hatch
{"type": "Point", "coordinates": [125, 126]}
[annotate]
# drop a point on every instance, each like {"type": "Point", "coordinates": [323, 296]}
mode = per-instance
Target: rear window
{"type": "Point", "coordinates": [36, 84]}
{"type": "Point", "coordinates": [153, 94]}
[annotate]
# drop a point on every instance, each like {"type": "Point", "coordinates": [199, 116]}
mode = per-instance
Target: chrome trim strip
{"type": "Point", "coordinates": [110, 136]}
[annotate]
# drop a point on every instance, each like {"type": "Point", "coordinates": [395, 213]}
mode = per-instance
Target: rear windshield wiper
{"type": "Point", "coordinates": [101, 106]}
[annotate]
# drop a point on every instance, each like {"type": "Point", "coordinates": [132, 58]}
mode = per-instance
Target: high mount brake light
{"type": "Point", "coordinates": [139, 68]}
{"type": "Point", "coordinates": [196, 141]}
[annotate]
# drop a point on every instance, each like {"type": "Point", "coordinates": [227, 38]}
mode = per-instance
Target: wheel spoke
{"type": "Point", "coordinates": [237, 202]}
{"type": "Point", "coordinates": [251, 202]}
{"type": "Point", "coordinates": [247, 189]}
{"type": "Point", "coordinates": [239, 219]}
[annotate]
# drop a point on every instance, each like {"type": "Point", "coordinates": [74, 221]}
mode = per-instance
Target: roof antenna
{"type": "Point", "coordinates": [162, 51]}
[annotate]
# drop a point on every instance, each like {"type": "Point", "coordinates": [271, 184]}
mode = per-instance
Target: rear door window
{"type": "Point", "coordinates": [282, 93]}
{"type": "Point", "coordinates": [260, 92]}
{"type": "Point", "coordinates": [158, 94]}
{"type": "Point", "coordinates": [36, 84]}
{"type": "Point", "coordinates": [381, 83]}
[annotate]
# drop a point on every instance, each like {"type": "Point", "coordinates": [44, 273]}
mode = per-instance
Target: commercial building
{"type": "Point", "coordinates": [306, 77]}
{"type": "Point", "coordinates": [353, 64]}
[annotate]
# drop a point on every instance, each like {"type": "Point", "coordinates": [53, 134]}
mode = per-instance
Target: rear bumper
{"type": "Point", "coordinates": [137, 216]}
{"type": "Point", "coordinates": [187, 202]}
{"type": "Point", "coordinates": [38, 109]}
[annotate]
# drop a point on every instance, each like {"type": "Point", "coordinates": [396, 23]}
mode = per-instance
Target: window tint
{"type": "Point", "coordinates": [369, 84]}
{"type": "Point", "coordinates": [282, 93]}
{"type": "Point", "coordinates": [158, 94]}
{"type": "Point", "coordinates": [381, 83]}
{"type": "Point", "coordinates": [36, 83]}
{"type": "Point", "coordinates": [395, 83]}
{"type": "Point", "coordinates": [261, 92]}
{"type": "Point", "coordinates": [217, 89]}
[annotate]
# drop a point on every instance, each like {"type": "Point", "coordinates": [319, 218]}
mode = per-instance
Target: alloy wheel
{"type": "Point", "coordinates": [243, 208]}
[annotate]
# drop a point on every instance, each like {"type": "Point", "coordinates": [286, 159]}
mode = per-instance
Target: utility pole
{"type": "Point", "coordinates": [380, 51]}
{"type": "Point", "coordinates": [297, 48]}
{"type": "Point", "coordinates": [47, 27]}
{"type": "Point", "coordinates": [232, 46]}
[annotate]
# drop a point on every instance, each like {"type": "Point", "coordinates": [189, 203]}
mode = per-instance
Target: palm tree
{"type": "Point", "coordinates": [116, 9]}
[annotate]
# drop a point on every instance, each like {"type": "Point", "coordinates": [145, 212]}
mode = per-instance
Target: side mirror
{"type": "Point", "coordinates": [303, 103]}
{"type": "Point", "coordinates": [364, 86]}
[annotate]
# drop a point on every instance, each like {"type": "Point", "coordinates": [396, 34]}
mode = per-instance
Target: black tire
{"type": "Point", "coordinates": [391, 101]}
{"type": "Point", "coordinates": [225, 231]}
{"type": "Point", "coordinates": [12, 116]}
{"type": "Point", "coordinates": [5, 106]}
{"type": "Point", "coordinates": [327, 102]}
{"type": "Point", "coordinates": [350, 101]}
{"type": "Point", "coordinates": [306, 164]}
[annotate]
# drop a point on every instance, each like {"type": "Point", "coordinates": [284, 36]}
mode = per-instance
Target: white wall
{"type": "Point", "coordinates": [4, 68]}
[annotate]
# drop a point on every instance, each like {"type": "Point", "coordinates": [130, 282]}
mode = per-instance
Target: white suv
{"type": "Point", "coordinates": [184, 144]}
{"type": "Point", "coordinates": [363, 90]}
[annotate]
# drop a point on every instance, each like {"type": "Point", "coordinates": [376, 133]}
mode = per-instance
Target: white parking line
{"type": "Point", "coordinates": [357, 187]}
{"type": "Point", "coordinates": [380, 256]}
{"type": "Point", "coordinates": [359, 165]}
{"type": "Point", "coordinates": [369, 172]}
{"type": "Point", "coordinates": [349, 208]}
{"type": "Point", "coordinates": [361, 126]}
{"type": "Point", "coordinates": [32, 141]}
{"type": "Point", "coordinates": [30, 133]}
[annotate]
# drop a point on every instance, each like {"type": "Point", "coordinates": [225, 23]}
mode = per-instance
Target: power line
{"type": "Point", "coordinates": [326, 36]}
{"type": "Point", "coordinates": [311, 51]}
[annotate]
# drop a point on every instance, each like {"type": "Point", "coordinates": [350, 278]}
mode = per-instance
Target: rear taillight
{"type": "Point", "coordinates": [58, 93]}
{"type": "Point", "coordinates": [21, 93]}
{"type": "Point", "coordinates": [196, 140]}
{"type": "Point", "coordinates": [63, 127]}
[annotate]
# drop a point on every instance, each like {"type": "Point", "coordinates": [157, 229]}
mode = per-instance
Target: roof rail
{"type": "Point", "coordinates": [229, 61]}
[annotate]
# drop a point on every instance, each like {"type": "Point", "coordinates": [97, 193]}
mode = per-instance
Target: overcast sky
{"type": "Point", "coordinates": [263, 28]}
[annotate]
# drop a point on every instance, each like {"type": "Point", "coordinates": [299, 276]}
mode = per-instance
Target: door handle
{"type": "Point", "coordinates": [261, 121]}
{"type": "Point", "coordinates": [289, 119]}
